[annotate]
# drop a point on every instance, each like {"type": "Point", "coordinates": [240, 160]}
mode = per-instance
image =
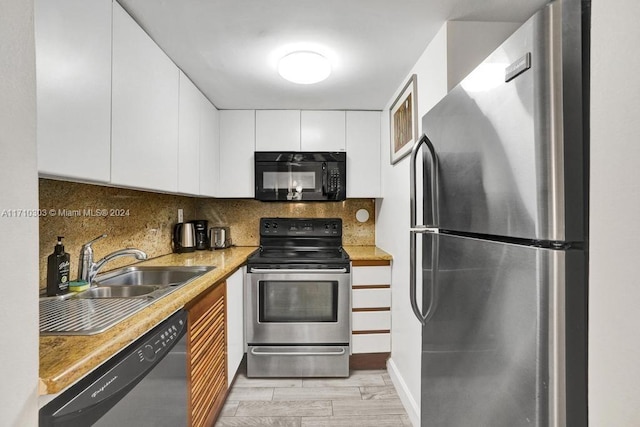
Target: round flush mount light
{"type": "Point", "coordinates": [304, 67]}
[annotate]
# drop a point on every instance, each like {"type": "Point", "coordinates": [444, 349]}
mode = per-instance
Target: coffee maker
{"type": "Point", "coordinates": [202, 239]}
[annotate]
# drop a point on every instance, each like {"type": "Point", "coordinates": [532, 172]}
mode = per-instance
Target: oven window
{"type": "Point", "coordinates": [299, 301]}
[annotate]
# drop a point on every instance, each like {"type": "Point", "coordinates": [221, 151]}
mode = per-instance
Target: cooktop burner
{"type": "Point", "coordinates": [300, 242]}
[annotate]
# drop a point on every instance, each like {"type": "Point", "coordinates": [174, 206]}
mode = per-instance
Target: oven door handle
{"type": "Point", "coordinates": [255, 351]}
{"type": "Point", "coordinates": [296, 271]}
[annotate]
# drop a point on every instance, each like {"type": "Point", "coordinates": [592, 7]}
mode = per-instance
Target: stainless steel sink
{"type": "Point", "coordinates": [142, 276]}
{"type": "Point", "coordinates": [118, 291]}
{"type": "Point", "coordinates": [114, 296]}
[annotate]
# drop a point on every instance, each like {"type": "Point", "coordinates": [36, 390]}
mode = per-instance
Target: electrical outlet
{"type": "Point", "coordinates": [180, 215]}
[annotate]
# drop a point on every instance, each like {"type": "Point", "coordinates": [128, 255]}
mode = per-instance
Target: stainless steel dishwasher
{"type": "Point", "coordinates": [143, 385]}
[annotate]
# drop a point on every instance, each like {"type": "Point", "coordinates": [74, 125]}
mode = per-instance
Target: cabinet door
{"type": "Point", "coordinates": [363, 154]}
{"type": "Point", "coordinates": [278, 130]}
{"type": "Point", "coordinates": [235, 323]}
{"type": "Point", "coordinates": [207, 364]}
{"type": "Point", "coordinates": [237, 144]}
{"type": "Point", "coordinates": [189, 137]}
{"type": "Point", "coordinates": [322, 131]}
{"type": "Point", "coordinates": [73, 52]}
{"type": "Point", "coordinates": [209, 148]}
{"type": "Point", "coordinates": [144, 145]}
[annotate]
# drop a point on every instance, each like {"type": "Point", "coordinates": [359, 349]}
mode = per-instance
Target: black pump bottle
{"type": "Point", "coordinates": [58, 270]}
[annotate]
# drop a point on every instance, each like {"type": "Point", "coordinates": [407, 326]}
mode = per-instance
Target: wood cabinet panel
{"type": "Point", "coordinates": [206, 353]}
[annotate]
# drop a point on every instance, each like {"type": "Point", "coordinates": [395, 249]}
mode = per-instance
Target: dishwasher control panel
{"type": "Point", "coordinates": [161, 342]}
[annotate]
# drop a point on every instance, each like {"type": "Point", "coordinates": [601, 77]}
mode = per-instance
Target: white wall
{"type": "Point", "coordinates": [614, 275]}
{"type": "Point", "coordinates": [436, 73]}
{"type": "Point", "coordinates": [19, 242]}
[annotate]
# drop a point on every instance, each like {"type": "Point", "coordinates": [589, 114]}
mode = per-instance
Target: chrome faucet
{"type": "Point", "coordinates": [87, 269]}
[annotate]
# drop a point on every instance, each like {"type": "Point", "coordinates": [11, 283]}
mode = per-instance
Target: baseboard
{"type": "Point", "coordinates": [410, 405]}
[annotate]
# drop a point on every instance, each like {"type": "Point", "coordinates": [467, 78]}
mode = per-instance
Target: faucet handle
{"type": "Point", "coordinates": [88, 244]}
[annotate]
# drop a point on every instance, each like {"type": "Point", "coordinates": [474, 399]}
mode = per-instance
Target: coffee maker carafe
{"type": "Point", "coordinates": [202, 239]}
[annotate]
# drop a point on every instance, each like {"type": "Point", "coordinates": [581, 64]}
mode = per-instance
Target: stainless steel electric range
{"type": "Point", "coordinates": [298, 300]}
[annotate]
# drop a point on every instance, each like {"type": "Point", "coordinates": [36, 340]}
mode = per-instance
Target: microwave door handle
{"type": "Point", "coordinates": [325, 184]}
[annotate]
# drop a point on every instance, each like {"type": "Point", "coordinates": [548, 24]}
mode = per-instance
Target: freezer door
{"type": "Point", "coordinates": [494, 344]}
{"type": "Point", "coordinates": [510, 153]}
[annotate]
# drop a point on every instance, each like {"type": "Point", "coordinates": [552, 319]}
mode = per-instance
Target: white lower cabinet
{"type": "Point", "coordinates": [235, 323]}
{"type": "Point", "coordinates": [371, 307]}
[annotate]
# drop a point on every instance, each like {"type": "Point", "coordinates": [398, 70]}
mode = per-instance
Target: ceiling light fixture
{"type": "Point", "coordinates": [304, 67]}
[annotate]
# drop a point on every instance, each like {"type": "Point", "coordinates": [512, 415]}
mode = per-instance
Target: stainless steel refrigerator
{"type": "Point", "coordinates": [502, 247]}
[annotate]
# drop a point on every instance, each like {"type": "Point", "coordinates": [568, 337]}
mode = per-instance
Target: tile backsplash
{"type": "Point", "coordinates": [145, 220]}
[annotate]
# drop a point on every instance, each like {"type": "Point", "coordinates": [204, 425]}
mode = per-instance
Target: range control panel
{"type": "Point", "coordinates": [301, 227]}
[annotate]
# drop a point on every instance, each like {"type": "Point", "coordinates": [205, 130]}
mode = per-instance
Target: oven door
{"type": "Point", "coordinates": [303, 306]}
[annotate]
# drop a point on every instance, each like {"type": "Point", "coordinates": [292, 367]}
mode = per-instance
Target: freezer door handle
{"type": "Point", "coordinates": [423, 316]}
{"type": "Point", "coordinates": [434, 182]}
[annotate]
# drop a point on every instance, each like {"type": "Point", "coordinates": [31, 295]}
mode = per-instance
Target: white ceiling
{"type": "Point", "coordinates": [228, 47]}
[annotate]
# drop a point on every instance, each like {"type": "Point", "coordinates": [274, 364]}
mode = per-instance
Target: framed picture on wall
{"type": "Point", "coordinates": [404, 120]}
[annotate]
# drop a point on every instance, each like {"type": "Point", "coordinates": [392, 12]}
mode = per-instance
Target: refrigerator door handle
{"type": "Point", "coordinates": [423, 316]}
{"type": "Point", "coordinates": [434, 183]}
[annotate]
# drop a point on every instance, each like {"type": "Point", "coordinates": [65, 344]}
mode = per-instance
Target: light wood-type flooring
{"type": "Point", "coordinates": [366, 398]}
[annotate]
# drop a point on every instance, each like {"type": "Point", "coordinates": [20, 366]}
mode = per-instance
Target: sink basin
{"type": "Point", "coordinates": [142, 276]}
{"type": "Point", "coordinates": [118, 291]}
{"type": "Point", "coordinates": [141, 282]}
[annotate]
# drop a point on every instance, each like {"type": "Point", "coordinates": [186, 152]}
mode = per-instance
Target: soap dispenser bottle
{"type": "Point", "coordinates": [58, 270]}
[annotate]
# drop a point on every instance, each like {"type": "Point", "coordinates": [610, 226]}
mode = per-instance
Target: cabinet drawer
{"type": "Point", "coordinates": [371, 320]}
{"type": "Point", "coordinates": [371, 298]}
{"type": "Point", "coordinates": [374, 275]}
{"type": "Point", "coordinates": [370, 343]}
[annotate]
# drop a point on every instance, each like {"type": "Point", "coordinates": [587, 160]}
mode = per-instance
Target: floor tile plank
{"type": "Point", "coordinates": [352, 421]}
{"type": "Point", "coordinates": [356, 379]}
{"type": "Point", "coordinates": [368, 407]}
{"type": "Point", "coordinates": [284, 408]}
{"type": "Point", "coordinates": [251, 393]}
{"type": "Point", "coordinates": [317, 393]}
{"type": "Point", "coordinates": [258, 422]}
{"type": "Point", "coordinates": [378, 392]}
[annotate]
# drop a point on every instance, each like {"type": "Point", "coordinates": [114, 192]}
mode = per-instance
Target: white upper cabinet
{"type": "Point", "coordinates": [363, 154]}
{"type": "Point", "coordinates": [237, 145]}
{"type": "Point", "coordinates": [322, 131]}
{"type": "Point", "coordinates": [209, 148]}
{"type": "Point", "coordinates": [73, 56]}
{"type": "Point", "coordinates": [278, 130]}
{"type": "Point", "coordinates": [145, 88]}
{"type": "Point", "coordinates": [189, 137]}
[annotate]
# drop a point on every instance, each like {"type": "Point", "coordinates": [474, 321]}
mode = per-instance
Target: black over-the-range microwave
{"type": "Point", "coordinates": [300, 176]}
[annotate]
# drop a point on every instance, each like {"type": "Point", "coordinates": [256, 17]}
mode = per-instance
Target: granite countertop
{"type": "Point", "coordinates": [64, 359]}
{"type": "Point", "coordinates": [367, 253]}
